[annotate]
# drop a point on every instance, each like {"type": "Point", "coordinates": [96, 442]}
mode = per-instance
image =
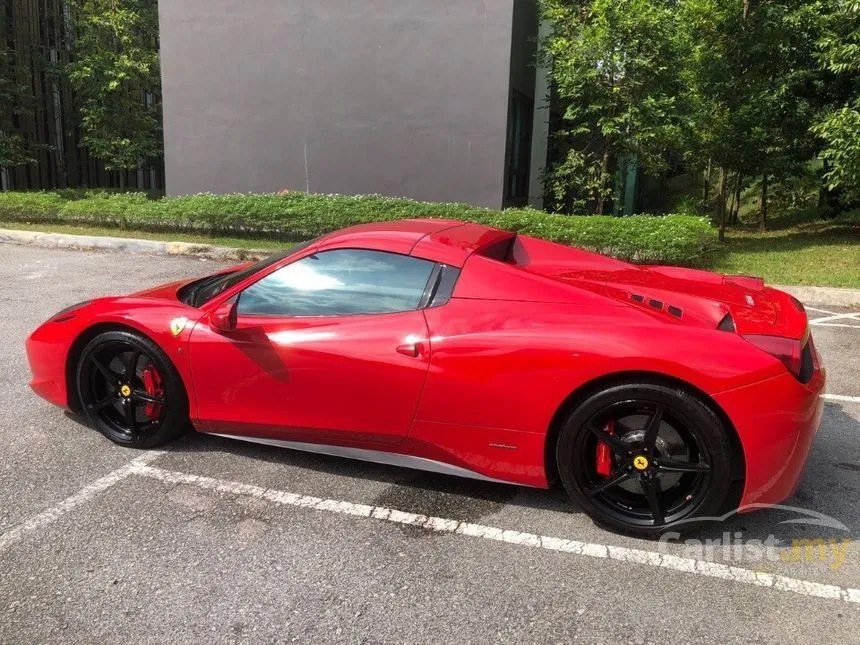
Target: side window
{"type": "Point", "coordinates": [339, 283]}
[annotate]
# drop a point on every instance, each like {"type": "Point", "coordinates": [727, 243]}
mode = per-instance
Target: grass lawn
{"type": "Point", "coordinates": [816, 252]}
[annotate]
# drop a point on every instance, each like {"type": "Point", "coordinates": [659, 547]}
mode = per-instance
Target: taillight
{"type": "Point", "coordinates": [787, 350]}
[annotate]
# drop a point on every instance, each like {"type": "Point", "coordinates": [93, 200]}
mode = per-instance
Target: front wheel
{"type": "Point", "coordinates": [642, 459]}
{"type": "Point", "coordinates": [130, 391]}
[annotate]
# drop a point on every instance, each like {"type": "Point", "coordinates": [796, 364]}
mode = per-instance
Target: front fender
{"type": "Point", "coordinates": [52, 348]}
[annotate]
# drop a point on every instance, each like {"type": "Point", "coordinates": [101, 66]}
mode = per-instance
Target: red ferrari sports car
{"type": "Point", "coordinates": [657, 395]}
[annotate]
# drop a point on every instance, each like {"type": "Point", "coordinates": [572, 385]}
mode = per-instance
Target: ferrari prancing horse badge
{"type": "Point", "coordinates": [177, 325]}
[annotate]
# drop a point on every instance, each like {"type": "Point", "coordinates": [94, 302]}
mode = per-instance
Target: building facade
{"type": "Point", "coordinates": [436, 100]}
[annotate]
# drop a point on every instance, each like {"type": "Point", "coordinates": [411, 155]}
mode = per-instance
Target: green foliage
{"type": "Point", "coordinates": [15, 100]}
{"type": "Point", "coordinates": [794, 195]}
{"type": "Point", "coordinates": [681, 240]}
{"type": "Point", "coordinates": [736, 86]}
{"type": "Point", "coordinates": [839, 44]}
{"type": "Point", "coordinates": [115, 76]}
{"type": "Point", "coordinates": [840, 131]}
{"type": "Point", "coordinates": [615, 70]}
{"type": "Point", "coordinates": [31, 206]}
{"type": "Point", "coordinates": [673, 239]}
{"type": "Point", "coordinates": [14, 150]}
{"type": "Point", "coordinates": [749, 84]}
{"type": "Point", "coordinates": [839, 126]}
{"type": "Point", "coordinates": [688, 204]}
{"type": "Point", "coordinates": [574, 183]}
{"type": "Point", "coordinates": [849, 217]}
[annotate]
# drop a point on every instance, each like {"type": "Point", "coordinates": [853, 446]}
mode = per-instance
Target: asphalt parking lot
{"type": "Point", "coordinates": [213, 540]}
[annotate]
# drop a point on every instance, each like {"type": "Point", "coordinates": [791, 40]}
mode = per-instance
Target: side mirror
{"type": "Point", "coordinates": [223, 319]}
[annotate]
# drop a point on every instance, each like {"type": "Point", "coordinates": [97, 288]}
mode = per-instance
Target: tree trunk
{"type": "Point", "coordinates": [762, 212]}
{"type": "Point", "coordinates": [604, 170]}
{"type": "Point", "coordinates": [706, 185]}
{"type": "Point", "coordinates": [747, 4]}
{"type": "Point", "coordinates": [828, 200]}
{"type": "Point", "coordinates": [730, 209]}
{"type": "Point", "coordinates": [737, 209]}
{"type": "Point", "coordinates": [56, 137]}
{"type": "Point", "coordinates": [121, 180]}
{"type": "Point", "coordinates": [721, 204]}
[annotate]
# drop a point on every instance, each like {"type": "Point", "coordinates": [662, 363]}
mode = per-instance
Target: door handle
{"type": "Point", "coordinates": [413, 350]}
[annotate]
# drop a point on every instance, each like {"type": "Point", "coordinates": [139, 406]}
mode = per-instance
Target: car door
{"type": "Point", "coordinates": [330, 347]}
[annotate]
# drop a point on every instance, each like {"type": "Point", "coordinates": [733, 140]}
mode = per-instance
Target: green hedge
{"type": "Point", "coordinates": [671, 239]}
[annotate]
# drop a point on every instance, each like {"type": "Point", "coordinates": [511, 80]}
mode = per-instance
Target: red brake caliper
{"type": "Point", "coordinates": [604, 453]}
{"type": "Point", "coordinates": [152, 386]}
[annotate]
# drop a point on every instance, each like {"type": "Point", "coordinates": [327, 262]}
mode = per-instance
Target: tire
{"type": "Point", "coordinates": [639, 472]}
{"type": "Point", "coordinates": [130, 391]}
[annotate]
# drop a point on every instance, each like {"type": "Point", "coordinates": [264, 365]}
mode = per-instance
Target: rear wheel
{"type": "Point", "coordinates": [642, 459]}
{"type": "Point", "coordinates": [130, 391]}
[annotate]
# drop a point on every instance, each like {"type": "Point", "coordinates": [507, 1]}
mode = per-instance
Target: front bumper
{"type": "Point", "coordinates": [776, 421]}
{"type": "Point", "coordinates": [47, 348]}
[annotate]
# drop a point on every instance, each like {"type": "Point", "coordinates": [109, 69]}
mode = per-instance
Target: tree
{"type": "Point", "coordinates": [748, 88]}
{"type": "Point", "coordinates": [14, 149]}
{"type": "Point", "coordinates": [615, 71]}
{"type": "Point", "coordinates": [839, 126]}
{"type": "Point", "coordinates": [15, 101]}
{"type": "Point", "coordinates": [115, 74]}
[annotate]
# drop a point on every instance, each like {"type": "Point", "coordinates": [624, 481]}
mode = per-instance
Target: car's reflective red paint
{"type": "Point", "coordinates": [323, 378]}
{"type": "Point", "coordinates": [494, 366]}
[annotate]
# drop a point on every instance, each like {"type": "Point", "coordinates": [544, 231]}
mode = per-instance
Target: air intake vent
{"type": "Point", "coordinates": [657, 304]}
{"type": "Point", "coordinates": [727, 324]}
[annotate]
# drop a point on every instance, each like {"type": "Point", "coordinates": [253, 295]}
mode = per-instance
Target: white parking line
{"type": "Point", "coordinates": [821, 311]}
{"type": "Point", "coordinates": [563, 545]}
{"type": "Point", "coordinates": [854, 317]}
{"type": "Point", "coordinates": [84, 495]}
{"type": "Point", "coordinates": [841, 397]}
{"type": "Point", "coordinates": [857, 326]}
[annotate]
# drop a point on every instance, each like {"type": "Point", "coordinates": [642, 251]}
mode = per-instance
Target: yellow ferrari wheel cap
{"type": "Point", "coordinates": [640, 462]}
{"type": "Point", "coordinates": [177, 325]}
{"type": "Point", "coordinates": [125, 390]}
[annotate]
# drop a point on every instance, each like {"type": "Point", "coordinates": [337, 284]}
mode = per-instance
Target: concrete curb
{"type": "Point", "coordinates": [129, 245]}
{"type": "Point", "coordinates": [828, 296]}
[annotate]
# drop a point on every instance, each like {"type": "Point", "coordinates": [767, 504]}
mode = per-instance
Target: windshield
{"type": "Point", "coordinates": [202, 291]}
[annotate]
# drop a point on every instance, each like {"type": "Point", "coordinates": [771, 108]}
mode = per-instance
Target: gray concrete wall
{"type": "Point", "coordinates": [398, 97]}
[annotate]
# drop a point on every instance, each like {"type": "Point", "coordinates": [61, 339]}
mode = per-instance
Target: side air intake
{"type": "Point", "coordinates": [727, 324]}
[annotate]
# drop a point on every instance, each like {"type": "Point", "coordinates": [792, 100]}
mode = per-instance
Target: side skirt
{"type": "Point", "coordinates": [375, 456]}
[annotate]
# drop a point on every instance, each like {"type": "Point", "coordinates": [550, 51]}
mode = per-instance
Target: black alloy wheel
{"type": "Point", "coordinates": [130, 391]}
{"type": "Point", "coordinates": [642, 459]}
